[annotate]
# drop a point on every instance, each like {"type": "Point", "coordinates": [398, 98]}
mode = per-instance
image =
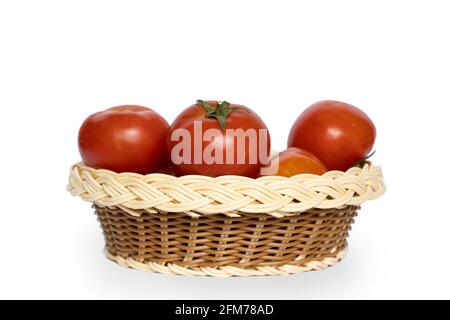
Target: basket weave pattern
{"type": "Point", "coordinates": [250, 241]}
{"type": "Point", "coordinates": [226, 226]}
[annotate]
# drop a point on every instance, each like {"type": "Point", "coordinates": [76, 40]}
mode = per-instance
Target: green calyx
{"type": "Point", "coordinates": [220, 112]}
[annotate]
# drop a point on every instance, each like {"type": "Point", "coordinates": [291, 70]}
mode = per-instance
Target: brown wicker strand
{"type": "Point", "coordinates": [249, 242]}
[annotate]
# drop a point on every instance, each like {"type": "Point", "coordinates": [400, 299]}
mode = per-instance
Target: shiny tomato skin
{"type": "Point", "coordinates": [240, 118]}
{"type": "Point", "coordinates": [339, 134]}
{"type": "Point", "coordinates": [293, 161]}
{"type": "Point", "coordinates": [126, 138]}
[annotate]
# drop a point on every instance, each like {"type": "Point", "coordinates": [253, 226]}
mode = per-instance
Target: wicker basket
{"type": "Point", "coordinates": [226, 226]}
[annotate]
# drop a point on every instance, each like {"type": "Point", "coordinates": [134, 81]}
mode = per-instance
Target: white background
{"type": "Point", "coordinates": [63, 60]}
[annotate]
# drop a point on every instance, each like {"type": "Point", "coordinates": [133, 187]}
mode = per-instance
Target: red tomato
{"type": "Point", "coordinates": [293, 161]}
{"type": "Point", "coordinates": [124, 139]}
{"type": "Point", "coordinates": [203, 140]}
{"type": "Point", "coordinates": [339, 134]}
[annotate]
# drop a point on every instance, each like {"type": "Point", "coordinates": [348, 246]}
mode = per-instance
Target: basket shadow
{"type": "Point", "coordinates": [132, 284]}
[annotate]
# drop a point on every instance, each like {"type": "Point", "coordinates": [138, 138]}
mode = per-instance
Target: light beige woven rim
{"type": "Point", "coordinates": [228, 271]}
{"type": "Point", "coordinates": [201, 195]}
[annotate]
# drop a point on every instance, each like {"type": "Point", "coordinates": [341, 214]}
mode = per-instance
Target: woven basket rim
{"type": "Point", "coordinates": [232, 195]}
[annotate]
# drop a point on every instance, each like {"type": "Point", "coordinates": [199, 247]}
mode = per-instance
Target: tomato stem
{"type": "Point", "coordinates": [364, 161]}
{"type": "Point", "coordinates": [220, 112]}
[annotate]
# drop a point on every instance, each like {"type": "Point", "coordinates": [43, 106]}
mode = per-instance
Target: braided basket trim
{"type": "Point", "coordinates": [195, 195]}
{"type": "Point", "coordinates": [227, 271]}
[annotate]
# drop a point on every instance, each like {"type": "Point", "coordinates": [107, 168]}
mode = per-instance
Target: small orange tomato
{"type": "Point", "coordinates": [293, 161]}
